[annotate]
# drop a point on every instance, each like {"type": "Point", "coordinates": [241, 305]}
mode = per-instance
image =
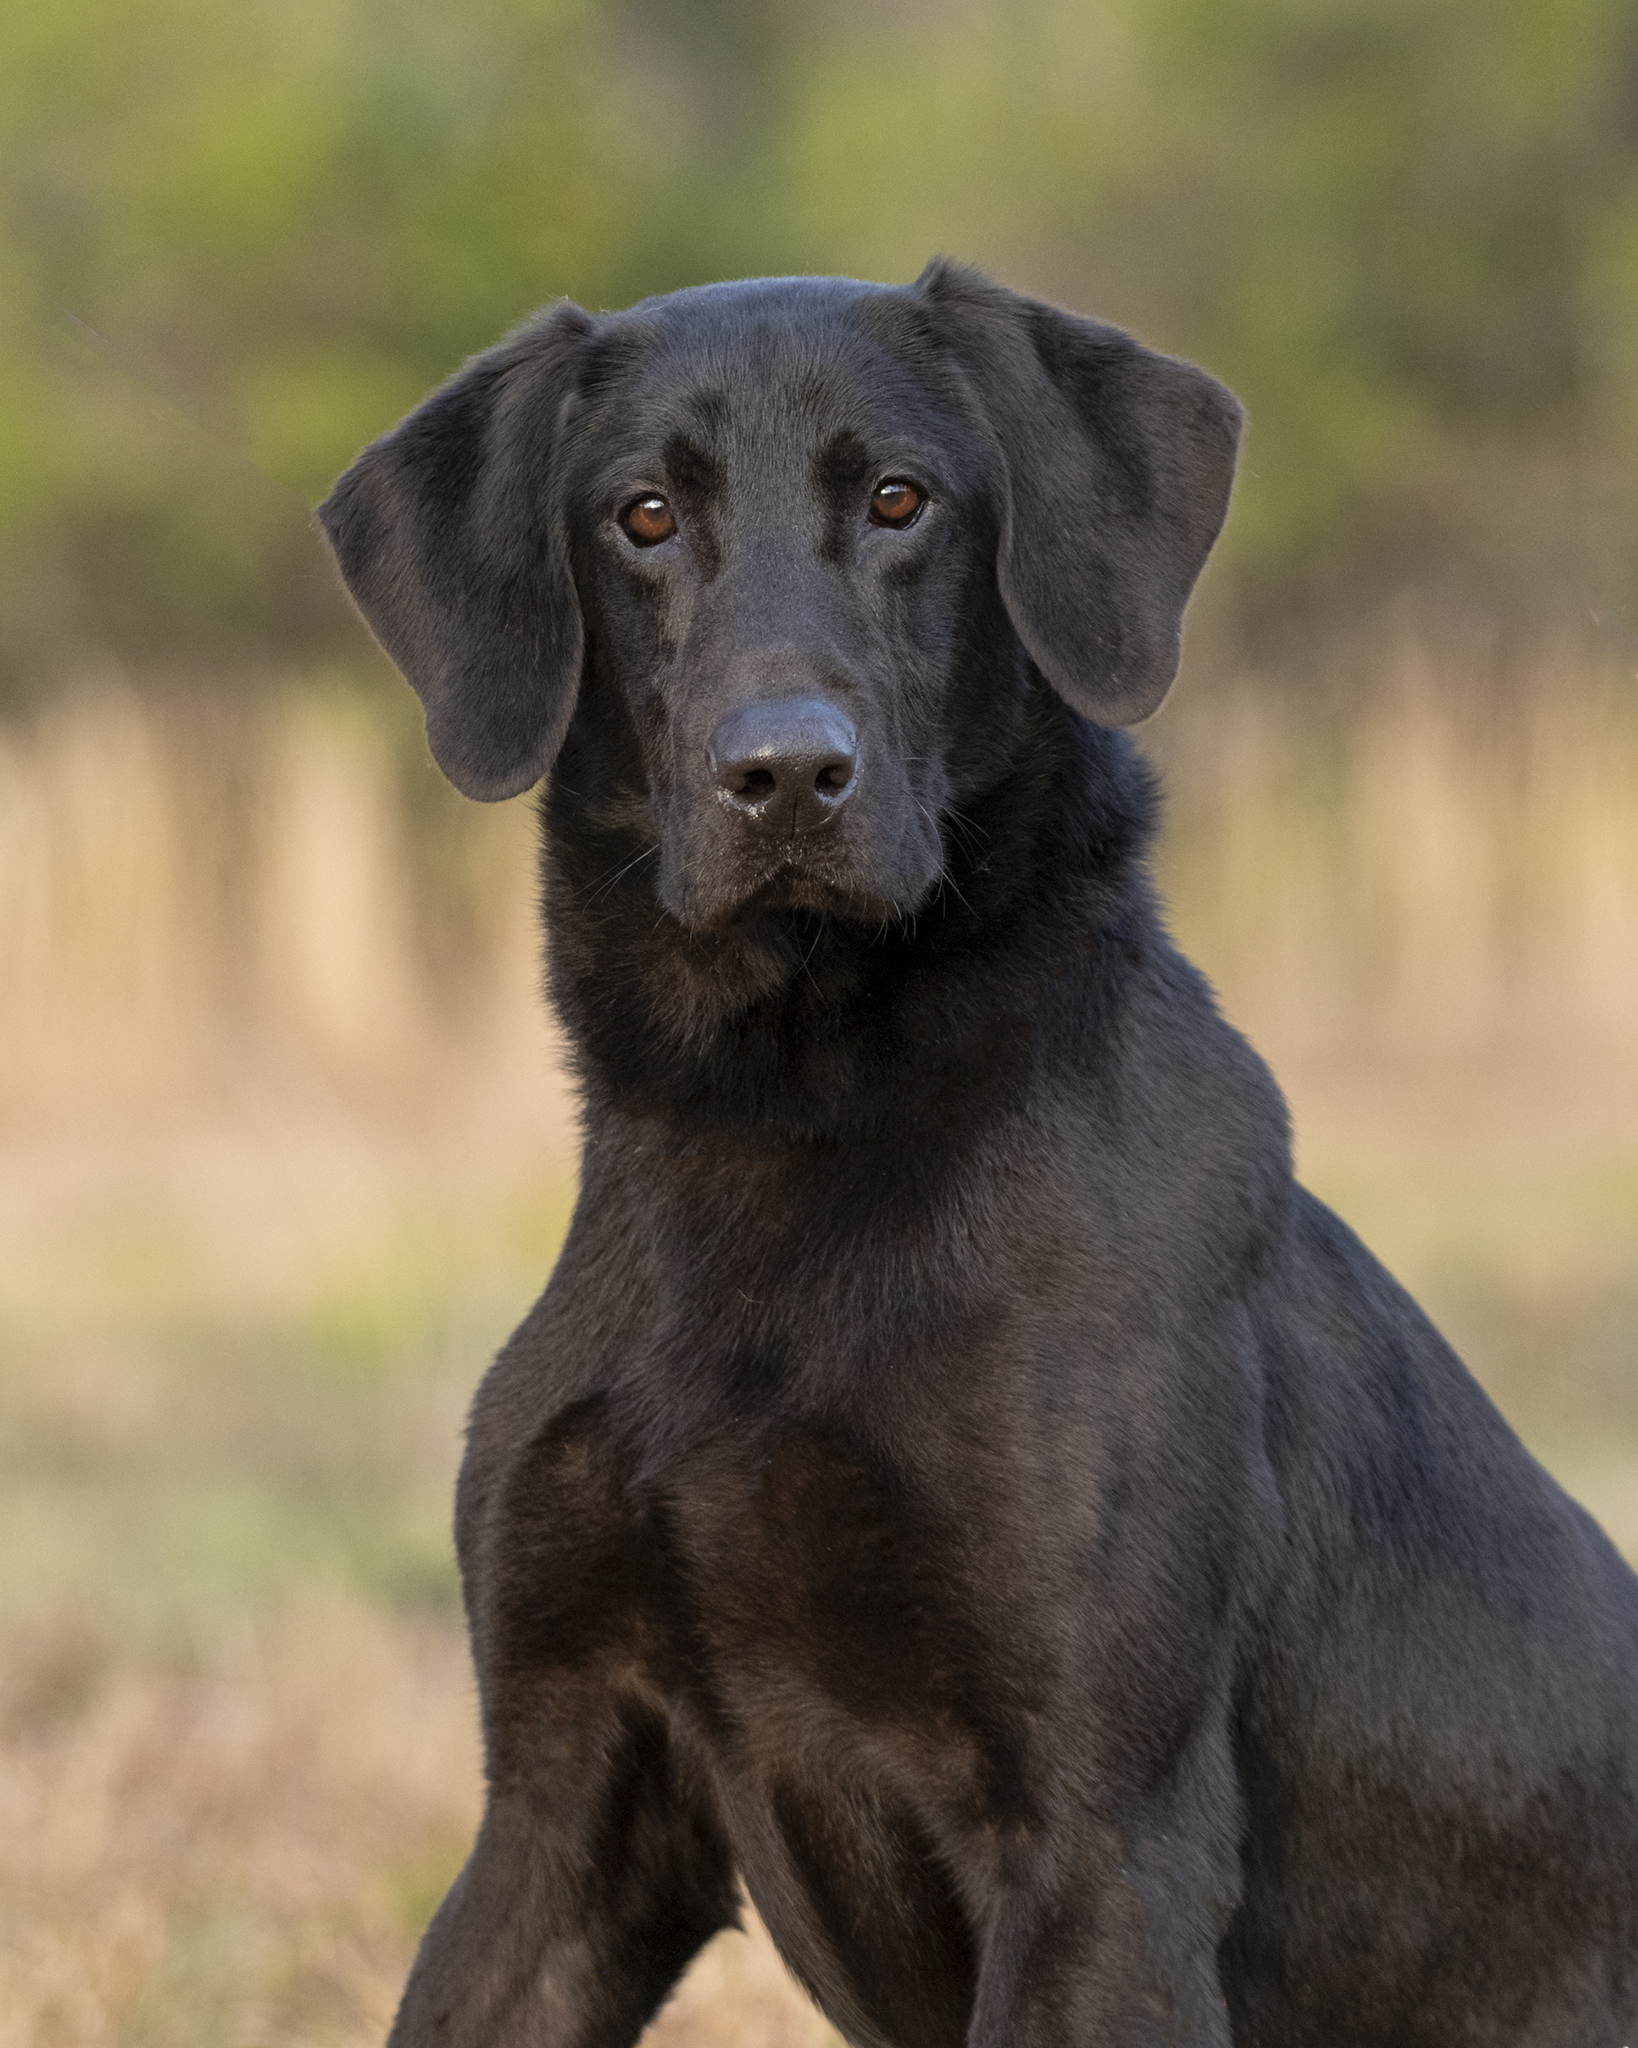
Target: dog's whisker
{"type": "Point", "coordinates": [609, 881]}
{"type": "Point", "coordinates": [948, 881]}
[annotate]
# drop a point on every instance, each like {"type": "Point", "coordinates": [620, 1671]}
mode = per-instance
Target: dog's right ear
{"type": "Point", "coordinates": [449, 534]}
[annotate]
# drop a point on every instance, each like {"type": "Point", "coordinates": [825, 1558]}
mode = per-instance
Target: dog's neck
{"type": "Point", "coordinates": [790, 1026]}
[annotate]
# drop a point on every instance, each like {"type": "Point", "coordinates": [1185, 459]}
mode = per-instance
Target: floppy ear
{"type": "Point", "coordinates": [449, 536]}
{"type": "Point", "coordinates": [1118, 464]}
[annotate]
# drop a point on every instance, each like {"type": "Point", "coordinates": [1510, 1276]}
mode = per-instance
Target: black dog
{"type": "Point", "coordinates": [955, 1480]}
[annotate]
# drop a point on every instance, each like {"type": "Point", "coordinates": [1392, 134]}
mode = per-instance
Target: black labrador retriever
{"type": "Point", "coordinates": [955, 1480]}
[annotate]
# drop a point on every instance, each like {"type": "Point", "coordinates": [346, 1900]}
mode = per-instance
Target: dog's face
{"type": "Point", "coordinates": [793, 545]}
{"type": "Point", "coordinates": [783, 535]}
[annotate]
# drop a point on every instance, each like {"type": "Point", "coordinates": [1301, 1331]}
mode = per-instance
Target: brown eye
{"type": "Point", "coordinates": [895, 503]}
{"type": "Point", "coordinates": [649, 521]}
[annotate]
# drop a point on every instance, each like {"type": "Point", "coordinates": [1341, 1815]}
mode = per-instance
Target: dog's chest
{"type": "Point", "coordinates": [841, 1645]}
{"type": "Point", "coordinates": [861, 1699]}
{"type": "Point", "coordinates": [830, 1580]}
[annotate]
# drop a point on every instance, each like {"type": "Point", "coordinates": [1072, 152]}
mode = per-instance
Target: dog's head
{"type": "Point", "coordinates": [793, 545]}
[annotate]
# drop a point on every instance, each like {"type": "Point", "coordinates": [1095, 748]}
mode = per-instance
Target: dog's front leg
{"type": "Point", "coordinates": [600, 1868]}
{"type": "Point", "coordinates": [1116, 1944]}
{"type": "Point", "coordinates": [593, 1881]}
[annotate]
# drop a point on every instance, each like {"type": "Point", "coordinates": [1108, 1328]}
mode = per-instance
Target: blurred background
{"type": "Point", "coordinates": [284, 1150]}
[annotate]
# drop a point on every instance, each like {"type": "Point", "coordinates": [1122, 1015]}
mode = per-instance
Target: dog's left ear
{"type": "Point", "coordinates": [449, 536]}
{"type": "Point", "coordinates": [1118, 464]}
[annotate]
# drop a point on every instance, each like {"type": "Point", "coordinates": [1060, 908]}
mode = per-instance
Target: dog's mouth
{"type": "Point", "coordinates": [817, 873]}
{"type": "Point", "coordinates": [795, 887]}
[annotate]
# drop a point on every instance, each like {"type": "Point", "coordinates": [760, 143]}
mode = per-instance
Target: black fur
{"type": "Point", "coordinates": [954, 1479]}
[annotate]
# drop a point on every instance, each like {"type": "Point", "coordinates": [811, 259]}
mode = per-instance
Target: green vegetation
{"type": "Point", "coordinates": [238, 241]}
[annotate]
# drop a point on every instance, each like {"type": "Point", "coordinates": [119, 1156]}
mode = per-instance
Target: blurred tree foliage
{"type": "Point", "coordinates": [238, 240]}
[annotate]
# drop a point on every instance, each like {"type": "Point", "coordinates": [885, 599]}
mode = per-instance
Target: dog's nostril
{"type": "Point", "coordinates": [757, 782]}
{"type": "Point", "coordinates": [833, 776]}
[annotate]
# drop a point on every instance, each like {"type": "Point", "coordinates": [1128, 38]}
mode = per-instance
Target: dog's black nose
{"type": "Point", "coordinates": [785, 767]}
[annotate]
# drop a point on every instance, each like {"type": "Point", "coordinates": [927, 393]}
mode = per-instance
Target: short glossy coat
{"type": "Point", "coordinates": [955, 1480]}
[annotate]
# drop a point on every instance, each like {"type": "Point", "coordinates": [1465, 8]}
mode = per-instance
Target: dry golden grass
{"type": "Point", "coordinates": [283, 1155]}
{"type": "Point", "coordinates": [1450, 873]}
{"type": "Point", "coordinates": [206, 899]}
{"type": "Point", "coordinates": [232, 1849]}
{"type": "Point", "coordinates": [206, 902]}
